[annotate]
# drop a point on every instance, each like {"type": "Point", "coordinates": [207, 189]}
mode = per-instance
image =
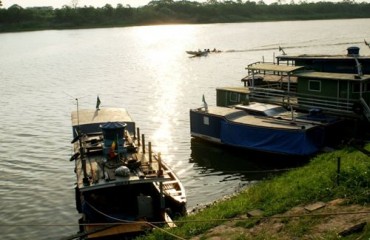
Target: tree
{"type": "Point", "coordinates": [74, 3]}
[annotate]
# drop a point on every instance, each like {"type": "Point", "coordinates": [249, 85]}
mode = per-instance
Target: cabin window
{"type": "Point", "coordinates": [314, 85]}
{"type": "Point", "coordinates": [234, 97]}
{"type": "Point", "coordinates": [206, 120]}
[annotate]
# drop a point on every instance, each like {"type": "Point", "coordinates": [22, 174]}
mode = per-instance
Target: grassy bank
{"type": "Point", "coordinates": [317, 181]}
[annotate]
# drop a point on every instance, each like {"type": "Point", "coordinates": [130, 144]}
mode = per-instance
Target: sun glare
{"type": "Point", "coordinates": [165, 80]}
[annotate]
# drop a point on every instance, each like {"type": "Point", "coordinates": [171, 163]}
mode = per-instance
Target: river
{"type": "Point", "coordinates": [145, 70]}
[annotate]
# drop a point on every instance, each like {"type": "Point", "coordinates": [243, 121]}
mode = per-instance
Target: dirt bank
{"type": "Point", "coordinates": [331, 220]}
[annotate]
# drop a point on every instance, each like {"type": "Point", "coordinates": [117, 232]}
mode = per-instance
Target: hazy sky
{"type": "Point", "coordinates": [100, 3]}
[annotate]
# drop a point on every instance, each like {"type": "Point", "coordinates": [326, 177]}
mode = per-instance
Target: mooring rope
{"type": "Point", "coordinates": [129, 221]}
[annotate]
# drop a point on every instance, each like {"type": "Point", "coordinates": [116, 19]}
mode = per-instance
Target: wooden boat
{"type": "Point", "coordinates": [122, 187]}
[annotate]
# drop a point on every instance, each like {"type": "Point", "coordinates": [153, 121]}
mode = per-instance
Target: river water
{"type": "Point", "coordinates": [145, 70]}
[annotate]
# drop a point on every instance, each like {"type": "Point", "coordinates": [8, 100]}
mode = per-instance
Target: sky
{"type": "Point", "coordinates": [101, 3]}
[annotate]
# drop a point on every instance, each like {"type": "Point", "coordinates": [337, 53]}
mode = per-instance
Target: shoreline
{"type": "Point", "coordinates": [252, 212]}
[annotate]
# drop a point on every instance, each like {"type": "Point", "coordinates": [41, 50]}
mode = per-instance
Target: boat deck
{"type": "Point", "coordinates": [102, 173]}
{"type": "Point", "coordinates": [140, 165]}
{"type": "Point", "coordinates": [241, 117]}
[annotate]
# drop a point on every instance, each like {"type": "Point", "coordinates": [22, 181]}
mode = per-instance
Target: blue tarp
{"type": "Point", "coordinates": [294, 142]}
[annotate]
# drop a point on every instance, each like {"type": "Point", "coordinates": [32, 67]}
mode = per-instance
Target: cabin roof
{"type": "Point", "coordinates": [259, 106]}
{"type": "Point", "coordinates": [333, 76]}
{"type": "Point", "coordinates": [241, 117]}
{"type": "Point", "coordinates": [234, 89]}
{"type": "Point", "coordinates": [320, 56]}
{"type": "Point", "coordinates": [225, 111]}
{"type": "Point", "coordinates": [93, 116]}
{"type": "Point", "coordinates": [273, 67]}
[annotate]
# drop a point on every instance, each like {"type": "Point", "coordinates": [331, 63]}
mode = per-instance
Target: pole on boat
{"type": "Point", "coordinates": [150, 152]}
{"type": "Point", "coordinates": [143, 140]}
{"type": "Point", "coordinates": [160, 171]}
{"type": "Point", "coordinates": [160, 174]}
{"type": "Point", "coordinates": [138, 136]}
{"type": "Point", "coordinates": [82, 155]}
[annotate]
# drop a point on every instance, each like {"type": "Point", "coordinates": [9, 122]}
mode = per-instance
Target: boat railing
{"type": "Point", "coordinates": [366, 107]}
{"type": "Point", "coordinates": [341, 106]}
{"type": "Point", "coordinates": [330, 104]}
{"type": "Point", "coordinates": [271, 95]}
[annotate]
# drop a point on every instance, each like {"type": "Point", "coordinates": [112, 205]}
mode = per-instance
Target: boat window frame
{"type": "Point", "coordinates": [206, 120]}
{"type": "Point", "coordinates": [234, 97]}
{"type": "Point", "coordinates": [309, 85]}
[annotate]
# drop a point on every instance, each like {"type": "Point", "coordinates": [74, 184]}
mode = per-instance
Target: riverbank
{"type": "Point", "coordinates": [317, 201]}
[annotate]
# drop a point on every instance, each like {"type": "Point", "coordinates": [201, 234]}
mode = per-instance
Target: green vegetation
{"type": "Point", "coordinates": [16, 18]}
{"type": "Point", "coordinates": [317, 181]}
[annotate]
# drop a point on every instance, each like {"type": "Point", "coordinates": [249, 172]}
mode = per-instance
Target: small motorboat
{"type": "Point", "coordinates": [198, 53]}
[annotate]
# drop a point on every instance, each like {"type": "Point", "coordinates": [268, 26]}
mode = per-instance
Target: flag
{"type": "Point", "coordinates": [113, 146]}
{"type": "Point", "coordinates": [97, 103]}
{"type": "Point", "coordinates": [112, 152]}
{"type": "Point", "coordinates": [205, 103]}
{"type": "Point", "coordinates": [282, 50]}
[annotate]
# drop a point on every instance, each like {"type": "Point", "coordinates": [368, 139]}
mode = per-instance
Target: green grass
{"type": "Point", "coordinates": [317, 181]}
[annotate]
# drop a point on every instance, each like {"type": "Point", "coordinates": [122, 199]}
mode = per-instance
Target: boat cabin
{"type": "Point", "coordinates": [334, 91]}
{"type": "Point", "coordinates": [227, 96]}
{"type": "Point", "coordinates": [345, 63]}
{"type": "Point", "coordinates": [342, 94]}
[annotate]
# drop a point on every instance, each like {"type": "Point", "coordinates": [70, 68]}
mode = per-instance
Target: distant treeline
{"type": "Point", "coordinates": [16, 18]}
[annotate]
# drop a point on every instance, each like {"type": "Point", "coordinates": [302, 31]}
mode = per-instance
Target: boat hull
{"type": "Point", "coordinates": [274, 139]}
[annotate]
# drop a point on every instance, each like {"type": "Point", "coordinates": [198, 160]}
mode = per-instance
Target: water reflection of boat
{"type": "Point", "coordinates": [248, 165]}
{"type": "Point", "coordinates": [122, 187]}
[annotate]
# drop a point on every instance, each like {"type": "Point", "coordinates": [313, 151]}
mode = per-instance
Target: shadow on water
{"type": "Point", "coordinates": [249, 165]}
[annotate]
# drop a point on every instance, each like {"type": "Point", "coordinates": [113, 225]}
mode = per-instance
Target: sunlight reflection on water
{"type": "Point", "coordinates": [145, 70]}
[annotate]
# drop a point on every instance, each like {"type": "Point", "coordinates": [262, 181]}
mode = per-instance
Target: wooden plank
{"type": "Point", "coordinates": [117, 229]}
